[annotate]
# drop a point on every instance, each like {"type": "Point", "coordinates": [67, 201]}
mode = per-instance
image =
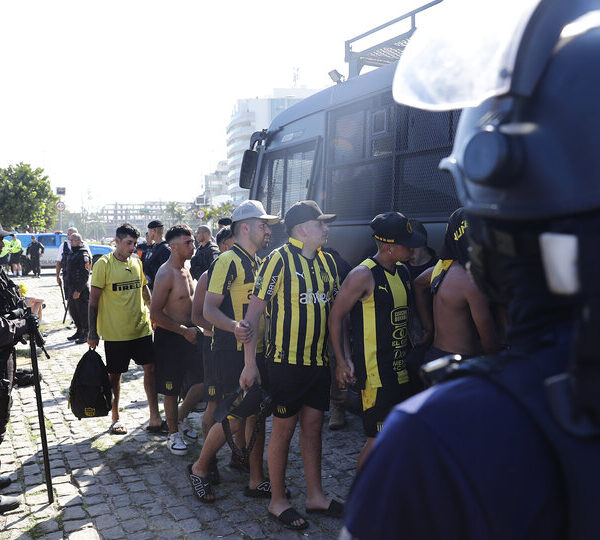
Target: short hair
{"type": "Point", "coordinates": [234, 226]}
{"type": "Point", "coordinates": [178, 230]}
{"type": "Point", "coordinates": [223, 235]}
{"type": "Point", "coordinates": [76, 236]}
{"type": "Point", "coordinates": [127, 229]}
{"type": "Point", "coordinates": [72, 229]}
{"type": "Point", "coordinates": [204, 228]}
{"type": "Point", "coordinates": [33, 237]}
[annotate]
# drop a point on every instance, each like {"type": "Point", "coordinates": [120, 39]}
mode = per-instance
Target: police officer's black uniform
{"type": "Point", "coordinates": [508, 446]}
{"type": "Point", "coordinates": [76, 280]}
{"type": "Point", "coordinates": [203, 258]}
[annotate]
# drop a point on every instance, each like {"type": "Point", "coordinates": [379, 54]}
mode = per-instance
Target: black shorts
{"type": "Point", "coordinates": [15, 258]}
{"type": "Point", "coordinates": [211, 380]}
{"type": "Point", "coordinates": [292, 386]}
{"type": "Point", "coordinates": [228, 367]}
{"type": "Point", "coordinates": [118, 353]}
{"type": "Point", "coordinates": [5, 259]}
{"type": "Point", "coordinates": [175, 357]}
{"type": "Point", "coordinates": [385, 399]}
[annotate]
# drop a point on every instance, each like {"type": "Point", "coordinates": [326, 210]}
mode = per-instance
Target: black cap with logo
{"type": "Point", "coordinates": [304, 211]}
{"type": "Point", "coordinates": [155, 224]}
{"type": "Point", "coordinates": [395, 228]}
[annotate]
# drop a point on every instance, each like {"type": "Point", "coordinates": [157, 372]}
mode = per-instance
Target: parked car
{"type": "Point", "coordinates": [52, 243]}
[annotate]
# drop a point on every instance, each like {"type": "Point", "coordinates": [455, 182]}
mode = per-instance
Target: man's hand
{"type": "Point", "coordinates": [344, 374]}
{"type": "Point", "coordinates": [58, 280]}
{"type": "Point", "coordinates": [76, 295]}
{"type": "Point", "coordinates": [242, 331]}
{"type": "Point", "coordinates": [93, 342]}
{"type": "Point", "coordinates": [249, 376]}
{"type": "Point", "coordinates": [190, 334]}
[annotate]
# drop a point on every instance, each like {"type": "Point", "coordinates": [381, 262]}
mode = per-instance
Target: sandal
{"type": "Point", "coordinates": [117, 429]}
{"type": "Point", "coordinates": [287, 518]}
{"type": "Point", "coordinates": [263, 491]}
{"type": "Point", "coordinates": [201, 487]}
{"type": "Point", "coordinates": [335, 510]}
{"type": "Point", "coordinates": [162, 428]}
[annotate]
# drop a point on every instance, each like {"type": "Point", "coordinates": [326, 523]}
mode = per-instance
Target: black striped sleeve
{"type": "Point", "coordinates": [269, 280]}
{"type": "Point", "coordinates": [221, 275]}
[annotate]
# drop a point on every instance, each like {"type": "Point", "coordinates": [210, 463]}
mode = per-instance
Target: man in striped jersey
{"type": "Point", "coordinates": [230, 283]}
{"type": "Point", "coordinates": [297, 283]}
{"type": "Point", "coordinates": [376, 295]}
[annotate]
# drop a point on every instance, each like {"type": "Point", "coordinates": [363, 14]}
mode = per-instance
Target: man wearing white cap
{"type": "Point", "coordinates": [230, 283]}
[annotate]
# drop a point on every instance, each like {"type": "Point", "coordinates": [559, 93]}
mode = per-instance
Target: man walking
{"type": "Point", "coordinates": [230, 284]}
{"type": "Point", "coordinates": [158, 252]}
{"type": "Point", "coordinates": [117, 313]}
{"type": "Point", "coordinates": [299, 282]}
{"type": "Point", "coordinates": [175, 337]}
{"type": "Point", "coordinates": [206, 253]}
{"type": "Point", "coordinates": [377, 296]}
{"type": "Point", "coordinates": [34, 250]}
{"type": "Point", "coordinates": [78, 272]}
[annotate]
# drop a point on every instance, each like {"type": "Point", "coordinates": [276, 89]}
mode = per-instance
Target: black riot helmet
{"type": "Point", "coordinates": [526, 156]}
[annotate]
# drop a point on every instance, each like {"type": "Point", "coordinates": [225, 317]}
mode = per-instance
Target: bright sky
{"type": "Point", "coordinates": [128, 100]}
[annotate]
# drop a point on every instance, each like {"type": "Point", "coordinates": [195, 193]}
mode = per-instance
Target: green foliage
{"type": "Point", "coordinates": [26, 198]}
{"type": "Point", "coordinates": [215, 213]}
{"type": "Point", "coordinates": [176, 213]}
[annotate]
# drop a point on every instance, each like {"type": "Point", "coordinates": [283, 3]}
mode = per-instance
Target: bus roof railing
{"type": "Point", "coordinates": [387, 51]}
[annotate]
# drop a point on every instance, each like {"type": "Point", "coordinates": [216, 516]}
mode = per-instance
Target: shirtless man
{"type": "Point", "coordinates": [462, 322]}
{"type": "Point", "coordinates": [175, 336]}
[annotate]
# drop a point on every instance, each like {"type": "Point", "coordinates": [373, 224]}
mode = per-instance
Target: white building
{"type": "Point", "coordinates": [250, 115]}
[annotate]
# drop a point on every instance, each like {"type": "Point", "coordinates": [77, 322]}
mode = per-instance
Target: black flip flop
{"type": "Point", "coordinates": [162, 429]}
{"type": "Point", "coordinates": [263, 491]}
{"type": "Point", "coordinates": [201, 487]}
{"type": "Point", "coordinates": [335, 510]}
{"type": "Point", "coordinates": [287, 517]}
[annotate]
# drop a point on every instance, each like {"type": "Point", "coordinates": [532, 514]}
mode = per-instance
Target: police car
{"type": "Point", "coordinates": [52, 243]}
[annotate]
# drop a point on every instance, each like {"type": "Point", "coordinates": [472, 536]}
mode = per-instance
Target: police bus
{"type": "Point", "coordinates": [357, 153]}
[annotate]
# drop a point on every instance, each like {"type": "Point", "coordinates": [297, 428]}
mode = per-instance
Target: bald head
{"type": "Point", "coordinates": [75, 239]}
{"type": "Point", "coordinates": [203, 234]}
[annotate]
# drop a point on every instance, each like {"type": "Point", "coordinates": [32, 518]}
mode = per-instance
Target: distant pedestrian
{"type": "Point", "coordinates": [5, 254]}
{"type": "Point", "coordinates": [206, 253]}
{"type": "Point", "coordinates": [118, 314]}
{"type": "Point", "coordinates": [16, 250]}
{"type": "Point", "coordinates": [34, 250]}
{"type": "Point", "coordinates": [158, 252]}
{"type": "Point", "coordinates": [78, 272]}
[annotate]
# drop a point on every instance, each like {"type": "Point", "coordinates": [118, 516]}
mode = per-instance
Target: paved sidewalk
{"type": "Point", "coordinates": [131, 486]}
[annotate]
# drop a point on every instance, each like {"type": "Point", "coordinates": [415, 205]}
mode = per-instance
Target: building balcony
{"type": "Point", "coordinates": [240, 118]}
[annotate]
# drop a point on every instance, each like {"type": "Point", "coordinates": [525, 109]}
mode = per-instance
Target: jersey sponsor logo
{"type": "Point", "coordinates": [127, 285]}
{"type": "Point", "coordinates": [271, 286]}
{"type": "Point", "coordinates": [399, 315]}
{"type": "Point", "coordinates": [310, 297]}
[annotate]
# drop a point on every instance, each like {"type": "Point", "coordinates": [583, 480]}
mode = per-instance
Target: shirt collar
{"type": "Point", "coordinates": [244, 252]}
{"type": "Point", "coordinates": [298, 244]}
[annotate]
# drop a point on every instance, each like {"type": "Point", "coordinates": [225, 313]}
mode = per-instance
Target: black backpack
{"type": "Point", "coordinates": [90, 394]}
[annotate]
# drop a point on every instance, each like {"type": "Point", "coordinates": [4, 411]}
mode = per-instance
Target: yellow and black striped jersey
{"type": "Point", "coordinates": [232, 274]}
{"type": "Point", "coordinates": [300, 292]}
{"type": "Point", "coordinates": [380, 328]}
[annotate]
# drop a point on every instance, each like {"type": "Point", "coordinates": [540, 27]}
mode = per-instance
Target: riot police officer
{"type": "Point", "coordinates": [508, 446]}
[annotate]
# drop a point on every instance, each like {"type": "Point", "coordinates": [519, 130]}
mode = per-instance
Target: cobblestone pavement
{"type": "Point", "coordinates": [131, 486]}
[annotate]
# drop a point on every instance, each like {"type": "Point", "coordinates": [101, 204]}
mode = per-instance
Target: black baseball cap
{"type": "Point", "coordinates": [224, 222]}
{"type": "Point", "coordinates": [155, 224]}
{"type": "Point", "coordinates": [395, 228]}
{"type": "Point", "coordinates": [304, 211]}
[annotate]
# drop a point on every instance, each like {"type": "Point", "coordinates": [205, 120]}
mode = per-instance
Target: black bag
{"type": "Point", "coordinates": [90, 394]}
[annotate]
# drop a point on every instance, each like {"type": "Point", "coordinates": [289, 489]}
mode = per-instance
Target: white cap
{"type": "Point", "coordinates": [252, 209]}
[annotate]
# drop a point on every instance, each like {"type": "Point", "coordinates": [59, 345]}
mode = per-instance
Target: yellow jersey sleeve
{"type": "Point", "coordinates": [221, 274]}
{"type": "Point", "coordinates": [99, 273]}
{"type": "Point", "coordinates": [270, 277]}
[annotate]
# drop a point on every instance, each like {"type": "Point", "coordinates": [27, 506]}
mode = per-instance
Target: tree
{"type": "Point", "coordinates": [26, 198]}
{"type": "Point", "coordinates": [176, 213]}
{"type": "Point", "coordinates": [215, 213]}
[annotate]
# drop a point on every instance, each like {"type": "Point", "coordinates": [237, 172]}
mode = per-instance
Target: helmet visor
{"type": "Point", "coordinates": [463, 54]}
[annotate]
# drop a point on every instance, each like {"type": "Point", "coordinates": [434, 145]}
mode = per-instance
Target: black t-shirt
{"type": "Point", "coordinates": [156, 256]}
{"type": "Point", "coordinates": [203, 258]}
{"type": "Point", "coordinates": [35, 249]}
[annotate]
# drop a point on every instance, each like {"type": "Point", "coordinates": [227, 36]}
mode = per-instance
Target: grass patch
{"type": "Point", "coordinates": [47, 423]}
{"type": "Point", "coordinates": [36, 531]}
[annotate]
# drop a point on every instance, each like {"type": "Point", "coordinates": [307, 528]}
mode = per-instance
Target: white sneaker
{"type": "Point", "coordinates": [176, 444]}
{"type": "Point", "coordinates": [187, 431]}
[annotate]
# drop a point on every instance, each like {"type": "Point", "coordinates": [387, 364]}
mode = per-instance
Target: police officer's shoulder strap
{"type": "Point", "coordinates": [527, 377]}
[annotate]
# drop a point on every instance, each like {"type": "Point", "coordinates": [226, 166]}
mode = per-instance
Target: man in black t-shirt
{"type": "Point", "coordinates": [158, 253]}
{"type": "Point", "coordinates": [206, 253]}
{"type": "Point", "coordinates": [34, 250]}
